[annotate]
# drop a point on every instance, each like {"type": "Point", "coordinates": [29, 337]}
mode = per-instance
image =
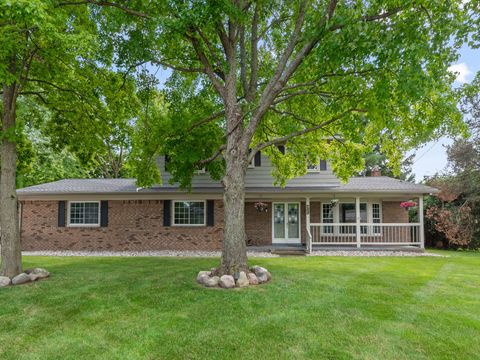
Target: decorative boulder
{"type": "Point", "coordinates": [252, 278]}
{"type": "Point", "coordinates": [242, 280]}
{"type": "Point", "coordinates": [212, 282]}
{"type": "Point", "coordinates": [21, 279]}
{"type": "Point", "coordinates": [4, 281]}
{"type": "Point", "coordinates": [262, 274]}
{"type": "Point", "coordinates": [38, 272]}
{"type": "Point", "coordinates": [34, 277]}
{"type": "Point", "coordinates": [227, 282]}
{"type": "Point", "coordinates": [203, 276]}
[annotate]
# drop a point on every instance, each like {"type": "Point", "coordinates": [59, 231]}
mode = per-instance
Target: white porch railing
{"type": "Point", "coordinates": [370, 234]}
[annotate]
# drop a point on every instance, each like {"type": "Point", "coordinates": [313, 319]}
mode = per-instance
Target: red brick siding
{"type": "Point", "coordinates": [133, 225]}
{"type": "Point", "coordinates": [258, 225]}
{"type": "Point", "coordinates": [393, 213]}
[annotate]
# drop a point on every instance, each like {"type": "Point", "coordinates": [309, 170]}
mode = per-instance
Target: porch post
{"type": "Point", "coordinates": [357, 218]}
{"type": "Point", "coordinates": [307, 224]}
{"type": "Point", "coordinates": [420, 219]}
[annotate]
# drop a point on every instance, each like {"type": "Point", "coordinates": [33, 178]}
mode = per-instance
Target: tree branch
{"type": "Point", "coordinates": [208, 68]}
{"type": "Point", "coordinates": [206, 120]}
{"type": "Point", "coordinates": [294, 134]}
{"type": "Point", "coordinates": [214, 156]}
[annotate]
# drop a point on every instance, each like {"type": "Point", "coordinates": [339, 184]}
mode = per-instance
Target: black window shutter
{"type": "Point", "coordinates": [258, 159]}
{"type": "Point", "coordinates": [167, 159]}
{"type": "Point", "coordinates": [281, 148]}
{"type": "Point", "coordinates": [61, 213]}
{"type": "Point", "coordinates": [167, 221]}
{"type": "Point", "coordinates": [323, 165]}
{"type": "Point", "coordinates": [104, 213]}
{"type": "Point", "coordinates": [210, 212]}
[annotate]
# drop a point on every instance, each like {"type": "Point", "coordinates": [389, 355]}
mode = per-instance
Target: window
{"type": "Point", "coordinates": [313, 168]}
{"type": "Point", "coordinates": [200, 171]}
{"type": "Point", "coordinates": [347, 215]}
{"type": "Point", "coordinates": [84, 213]}
{"type": "Point", "coordinates": [327, 217]}
{"type": "Point", "coordinates": [376, 218]}
{"type": "Point", "coordinates": [321, 165]}
{"type": "Point", "coordinates": [190, 213]}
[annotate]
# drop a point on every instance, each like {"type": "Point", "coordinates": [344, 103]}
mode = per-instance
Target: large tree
{"type": "Point", "coordinates": [329, 79]}
{"type": "Point", "coordinates": [51, 53]}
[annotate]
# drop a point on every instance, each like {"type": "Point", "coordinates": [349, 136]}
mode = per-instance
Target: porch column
{"type": "Point", "coordinates": [420, 219]}
{"type": "Point", "coordinates": [307, 224]}
{"type": "Point", "coordinates": [357, 218]}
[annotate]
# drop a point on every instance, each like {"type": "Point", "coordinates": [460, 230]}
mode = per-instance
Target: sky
{"type": "Point", "coordinates": [432, 158]}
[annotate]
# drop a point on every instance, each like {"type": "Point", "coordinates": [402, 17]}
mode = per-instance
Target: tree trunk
{"type": "Point", "coordinates": [234, 254]}
{"type": "Point", "coordinates": [9, 229]}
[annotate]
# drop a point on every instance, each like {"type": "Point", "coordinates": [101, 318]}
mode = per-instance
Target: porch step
{"type": "Point", "coordinates": [289, 252]}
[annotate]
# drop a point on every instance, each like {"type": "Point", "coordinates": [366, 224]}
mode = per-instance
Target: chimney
{"type": "Point", "coordinates": [376, 171]}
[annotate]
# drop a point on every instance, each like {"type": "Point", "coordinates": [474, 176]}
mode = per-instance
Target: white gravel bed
{"type": "Point", "coordinates": [168, 253]}
{"type": "Point", "coordinates": [258, 254]}
{"type": "Point", "coordinates": [370, 253]}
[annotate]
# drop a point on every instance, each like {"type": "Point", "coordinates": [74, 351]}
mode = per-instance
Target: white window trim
{"type": "Point", "coordinates": [83, 225]}
{"type": "Point", "coordinates": [287, 240]}
{"type": "Point", "coordinates": [189, 225]}
{"type": "Point", "coordinates": [316, 169]}
{"type": "Point", "coordinates": [336, 216]}
{"type": "Point", "coordinates": [200, 171]}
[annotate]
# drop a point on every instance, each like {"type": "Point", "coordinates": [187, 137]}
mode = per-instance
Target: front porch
{"type": "Point", "coordinates": [331, 222]}
{"type": "Point", "coordinates": [362, 229]}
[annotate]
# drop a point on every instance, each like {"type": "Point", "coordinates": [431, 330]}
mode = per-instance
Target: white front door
{"type": "Point", "coordinates": [286, 223]}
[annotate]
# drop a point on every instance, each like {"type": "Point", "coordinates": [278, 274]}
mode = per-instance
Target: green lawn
{"type": "Point", "coordinates": [361, 308]}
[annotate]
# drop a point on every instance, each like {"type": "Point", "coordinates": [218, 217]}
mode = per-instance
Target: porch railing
{"type": "Point", "coordinates": [370, 234]}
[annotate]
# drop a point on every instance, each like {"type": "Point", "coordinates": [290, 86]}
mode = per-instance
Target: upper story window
{"type": "Point", "coordinates": [321, 165]}
{"type": "Point", "coordinates": [189, 213]}
{"type": "Point", "coordinates": [84, 213]}
{"type": "Point", "coordinates": [256, 160]}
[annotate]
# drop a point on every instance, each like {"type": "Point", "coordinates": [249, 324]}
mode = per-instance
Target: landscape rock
{"type": "Point", "coordinates": [21, 279]}
{"type": "Point", "coordinates": [242, 280]}
{"type": "Point", "coordinates": [203, 276]}
{"type": "Point", "coordinates": [212, 282]}
{"type": "Point", "coordinates": [4, 281]}
{"type": "Point", "coordinates": [39, 272]}
{"type": "Point", "coordinates": [263, 275]}
{"type": "Point", "coordinates": [34, 277]}
{"type": "Point", "coordinates": [252, 278]}
{"type": "Point", "coordinates": [227, 282]}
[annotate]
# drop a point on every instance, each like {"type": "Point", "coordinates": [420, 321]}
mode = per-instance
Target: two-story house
{"type": "Point", "coordinates": [312, 210]}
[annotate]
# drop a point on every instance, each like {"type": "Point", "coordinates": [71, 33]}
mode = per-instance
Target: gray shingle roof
{"type": "Point", "coordinates": [381, 184]}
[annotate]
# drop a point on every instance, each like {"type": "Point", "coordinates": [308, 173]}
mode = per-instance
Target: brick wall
{"type": "Point", "coordinates": [258, 225]}
{"type": "Point", "coordinates": [132, 225]}
{"type": "Point", "coordinates": [393, 213]}
{"type": "Point", "coordinates": [138, 225]}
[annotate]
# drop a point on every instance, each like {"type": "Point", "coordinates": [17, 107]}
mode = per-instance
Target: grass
{"type": "Point", "coordinates": [338, 308]}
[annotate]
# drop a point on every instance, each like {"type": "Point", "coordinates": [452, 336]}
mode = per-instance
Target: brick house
{"type": "Point", "coordinates": [313, 210]}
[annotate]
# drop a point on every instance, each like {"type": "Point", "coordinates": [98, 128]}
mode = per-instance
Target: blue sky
{"type": "Point", "coordinates": [431, 158]}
